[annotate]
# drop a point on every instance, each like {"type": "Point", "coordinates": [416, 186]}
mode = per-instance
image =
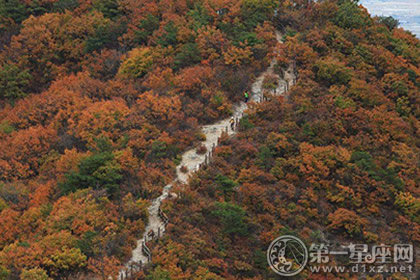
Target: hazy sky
{"type": "Point", "coordinates": [406, 11]}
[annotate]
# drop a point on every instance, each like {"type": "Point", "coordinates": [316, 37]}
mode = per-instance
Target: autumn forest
{"type": "Point", "coordinates": [99, 99]}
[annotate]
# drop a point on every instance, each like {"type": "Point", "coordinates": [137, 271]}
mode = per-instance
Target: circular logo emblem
{"type": "Point", "coordinates": [287, 255]}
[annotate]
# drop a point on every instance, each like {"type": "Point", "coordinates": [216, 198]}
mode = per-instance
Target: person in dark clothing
{"type": "Point", "coordinates": [232, 124]}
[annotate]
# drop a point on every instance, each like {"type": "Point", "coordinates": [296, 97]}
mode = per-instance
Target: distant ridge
{"type": "Point", "coordinates": [406, 11]}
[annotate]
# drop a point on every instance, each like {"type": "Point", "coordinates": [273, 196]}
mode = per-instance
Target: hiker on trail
{"type": "Point", "coordinates": [151, 234]}
{"type": "Point", "coordinates": [232, 124]}
{"type": "Point", "coordinates": [246, 95]}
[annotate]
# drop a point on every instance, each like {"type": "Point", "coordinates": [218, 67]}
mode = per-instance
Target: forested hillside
{"type": "Point", "coordinates": [336, 161]}
{"type": "Point", "coordinates": [99, 98]}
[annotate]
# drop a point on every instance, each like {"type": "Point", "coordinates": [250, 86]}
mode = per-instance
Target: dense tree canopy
{"type": "Point", "coordinates": [97, 101]}
{"type": "Point", "coordinates": [337, 160]}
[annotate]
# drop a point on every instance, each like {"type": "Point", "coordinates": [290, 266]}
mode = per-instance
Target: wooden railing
{"type": "Point", "coordinates": [163, 216]}
{"type": "Point", "coordinates": [146, 250]}
{"type": "Point", "coordinates": [131, 270]}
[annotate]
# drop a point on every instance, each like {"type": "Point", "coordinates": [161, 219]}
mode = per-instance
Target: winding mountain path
{"type": "Point", "coordinates": [191, 160]}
